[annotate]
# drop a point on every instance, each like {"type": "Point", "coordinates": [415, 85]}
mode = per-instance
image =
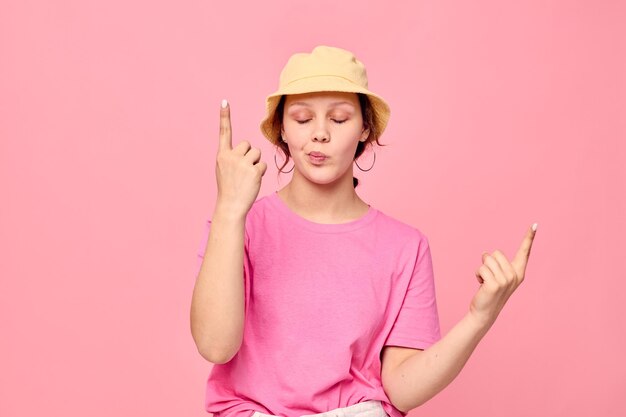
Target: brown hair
{"type": "Point", "coordinates": [369, 119]}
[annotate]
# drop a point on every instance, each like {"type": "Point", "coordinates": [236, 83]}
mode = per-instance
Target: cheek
{"type": "Point", "coordinates": [295, 138]}
{"type": "Point", "coordinates": [345, 152]}
{"type": "Point", "coordinates": [287, 133]}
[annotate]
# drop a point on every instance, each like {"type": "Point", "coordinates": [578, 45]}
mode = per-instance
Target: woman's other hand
{"type": "Point", "coordinates": [499, 278]}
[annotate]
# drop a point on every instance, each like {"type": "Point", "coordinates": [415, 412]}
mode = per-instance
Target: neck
{"type": "Point", "coordinates": [334, 202]}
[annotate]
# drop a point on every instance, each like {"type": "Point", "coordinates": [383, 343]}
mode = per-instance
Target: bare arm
{"type": "Point", "coordinates": [218, 301]}
{"type": "Point", "coordinates": [217, 306]}
{"type": "Point", "coordinates": [425, 373]}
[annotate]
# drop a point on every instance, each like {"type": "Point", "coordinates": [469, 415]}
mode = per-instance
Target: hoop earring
{"type": "Point", "coordinates": [276, 163]}
{"type": "Point", "coordinates": [365, 170]}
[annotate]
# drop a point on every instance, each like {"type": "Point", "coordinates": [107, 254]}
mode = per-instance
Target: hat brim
{"type": "Point", "coordinates": [318, 84]}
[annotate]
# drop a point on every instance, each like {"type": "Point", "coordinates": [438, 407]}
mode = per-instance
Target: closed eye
{"type": "Point", "coordinates": [305, 121]}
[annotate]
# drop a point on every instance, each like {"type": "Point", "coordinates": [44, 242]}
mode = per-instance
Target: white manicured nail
{"type": "Point", "coordinates": [535, 227]}
{"type": "Point", "coordinates": [224, 103]}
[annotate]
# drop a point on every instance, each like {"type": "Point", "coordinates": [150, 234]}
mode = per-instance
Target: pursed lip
{"type": "Point", "coordinates": [318, 154]}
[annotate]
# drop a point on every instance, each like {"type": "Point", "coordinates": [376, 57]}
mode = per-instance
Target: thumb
{"type": "Point", "coordinates": [484, 256]}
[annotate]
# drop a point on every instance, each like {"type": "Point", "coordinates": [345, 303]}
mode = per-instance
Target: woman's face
{"type": "Point", "coordinates": [327, 122]}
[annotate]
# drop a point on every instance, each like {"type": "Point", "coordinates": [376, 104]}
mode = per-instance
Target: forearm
{"type": "Point", "coordinates": [421, 376]}
{"type": "Point", "coordinates": [217, 305]}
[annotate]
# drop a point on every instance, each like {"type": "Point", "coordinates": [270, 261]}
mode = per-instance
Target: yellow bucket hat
{"type": "Point", "coordinates": [326, 68]}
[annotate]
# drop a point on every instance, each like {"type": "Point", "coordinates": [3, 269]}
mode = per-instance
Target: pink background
{"type": "Point", "coordinates": [503, 114]}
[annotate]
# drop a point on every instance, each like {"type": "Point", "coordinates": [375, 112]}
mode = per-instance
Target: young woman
{"type": "Point", "coordinates": [310, 301]}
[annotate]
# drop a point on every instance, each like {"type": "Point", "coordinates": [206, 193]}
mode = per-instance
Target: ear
{"type": "Point", "coordinates": [365, 135]}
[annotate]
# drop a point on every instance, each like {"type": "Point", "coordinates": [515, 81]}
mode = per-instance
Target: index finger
{"type": "Point", "coordinates": [521, 257]}
{"type": "Point", "coordinates": [226, 139]}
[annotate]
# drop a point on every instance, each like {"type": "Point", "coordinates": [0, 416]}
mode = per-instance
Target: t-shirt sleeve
{"type": "Point", "coordinates": [417, 323]}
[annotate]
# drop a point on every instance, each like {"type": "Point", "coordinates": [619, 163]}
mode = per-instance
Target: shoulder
{"type": "Point", "coordinates": [399, 229]}
{"type": "Point", "coordinates": [260, 207]}
{"type": "Point", "coordinates": [262, 215]}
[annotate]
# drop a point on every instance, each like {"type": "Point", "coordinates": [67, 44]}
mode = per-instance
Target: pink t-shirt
{"type": "Point", "coordinates": [321, 301]}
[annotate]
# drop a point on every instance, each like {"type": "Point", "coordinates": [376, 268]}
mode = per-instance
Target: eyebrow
{"type": "Point", "coordinates": [336, 103]}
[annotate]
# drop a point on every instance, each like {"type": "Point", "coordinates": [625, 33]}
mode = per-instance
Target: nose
{"type": "Point", "coordinates": [321, 132]}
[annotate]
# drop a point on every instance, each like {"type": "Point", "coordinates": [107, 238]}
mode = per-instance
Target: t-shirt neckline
{"type": "Point", "coordinates": [286, 211]}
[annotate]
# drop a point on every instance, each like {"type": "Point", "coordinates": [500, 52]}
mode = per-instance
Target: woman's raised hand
{"type": "Point", "coordinates": [238, 170]}
{"type": "Point", "coordinates": [499, 278]}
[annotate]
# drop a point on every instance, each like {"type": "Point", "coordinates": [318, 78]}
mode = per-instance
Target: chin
{"type": "Point", "coordinates": [322, 178]}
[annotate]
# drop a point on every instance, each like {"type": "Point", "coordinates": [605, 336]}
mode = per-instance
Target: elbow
{"type": "Point", "coordinates": [214, 356]}
{"type": "Point", "coordinates": [217, 349]}
{"type": "Point", "coordinates": [399, 407]}
{"type": "Point", "coordinates": [402, 407]}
